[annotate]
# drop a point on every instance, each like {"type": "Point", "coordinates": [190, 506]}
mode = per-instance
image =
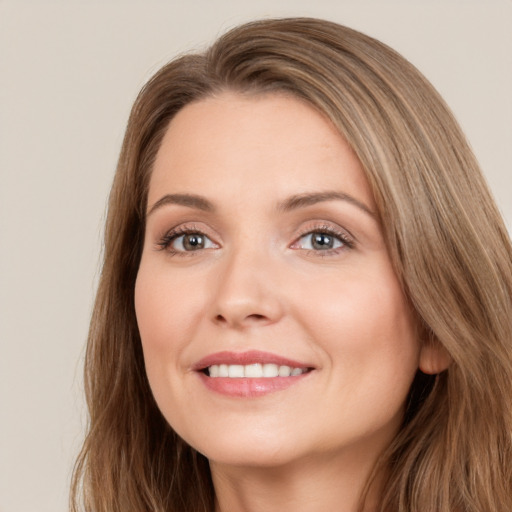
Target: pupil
{"type": "Point", "coordinates": [192, 242]}
{"type": "Point", "coordinates": [322, 241]}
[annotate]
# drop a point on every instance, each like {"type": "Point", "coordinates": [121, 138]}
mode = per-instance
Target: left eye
{"type": "Point", "coordinates": [191, 242]}
{"type": "Point", "coordinates": [319, 241]}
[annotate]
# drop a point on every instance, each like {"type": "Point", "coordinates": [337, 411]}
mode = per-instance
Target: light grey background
{"type": "Point", "coordinates": [69, 72]}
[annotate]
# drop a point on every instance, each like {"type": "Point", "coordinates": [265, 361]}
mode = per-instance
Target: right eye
{"type": "Point", "coordinates": [188, 241]}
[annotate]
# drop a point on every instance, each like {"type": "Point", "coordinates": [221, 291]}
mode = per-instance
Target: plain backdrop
{"type": "Point", "coordinates": [69, 72]}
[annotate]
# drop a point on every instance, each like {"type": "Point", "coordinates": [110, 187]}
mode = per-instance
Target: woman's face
{"type": "Point", "coordinates": [263, 257]}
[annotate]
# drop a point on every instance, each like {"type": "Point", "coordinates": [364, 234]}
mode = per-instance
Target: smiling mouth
{"type": "Point", "coordinates": [250, 374]}
{"type": "Point", "coordinates": [251, 364]}
{"type": "Point", "coordinates": [253, 371]}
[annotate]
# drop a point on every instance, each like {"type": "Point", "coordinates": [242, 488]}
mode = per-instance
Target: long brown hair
{"type": "Point", "coordinates": [446, 239]}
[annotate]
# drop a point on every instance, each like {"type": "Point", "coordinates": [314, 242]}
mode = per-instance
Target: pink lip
{"type": "Point", "coordinates": [247, 387]}
{"type": "Point", "coordinates": [249, 357]}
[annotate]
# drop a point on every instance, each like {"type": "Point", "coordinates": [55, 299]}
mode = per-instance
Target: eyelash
{"type": "Point", "coordinates": [347, 241]}
{"type": "Point", "coordinates": [165, 242]}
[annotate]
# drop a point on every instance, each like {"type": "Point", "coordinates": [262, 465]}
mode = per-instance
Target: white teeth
{"type": "Point", "coordinates": [251, 370]}
{"type": "Point", "coordinates": [270, 370]}
{"type": "Point", "coordinates": [254, 371]}
{"type": "Point", "coordinates": [236, 370]}
{"type": "Point", "coordinates": [285, 371]}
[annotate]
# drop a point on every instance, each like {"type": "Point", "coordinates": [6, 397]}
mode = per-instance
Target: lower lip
{"type": "Point", "coordinates": [249, 388]}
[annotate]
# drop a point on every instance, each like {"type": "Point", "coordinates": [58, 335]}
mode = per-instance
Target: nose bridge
{"type": "Point", "coordinates": [245, 288]}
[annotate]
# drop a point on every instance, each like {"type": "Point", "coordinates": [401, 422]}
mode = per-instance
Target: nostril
{"type": "Point", "coordinates": [256, 317]}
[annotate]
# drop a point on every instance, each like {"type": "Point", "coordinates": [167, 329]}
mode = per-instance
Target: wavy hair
{"type": "Point", "coordinates": [445, 236]}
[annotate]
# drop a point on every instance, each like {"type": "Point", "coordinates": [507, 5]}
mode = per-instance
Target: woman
{"type": "Point", "coordinates": [306, 294]}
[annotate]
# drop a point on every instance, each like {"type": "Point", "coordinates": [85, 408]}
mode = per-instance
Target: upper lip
{"type": "Point", "coordinates": [245, 358]}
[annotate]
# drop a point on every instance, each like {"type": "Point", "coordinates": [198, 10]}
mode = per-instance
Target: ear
{"type": "Point", "coordinates": [434, 358]}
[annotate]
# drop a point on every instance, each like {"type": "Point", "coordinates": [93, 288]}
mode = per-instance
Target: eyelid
{"type": "Point", "coordinates": [342, 234]}
{"type": "Point", "coordinates": [163, 242]}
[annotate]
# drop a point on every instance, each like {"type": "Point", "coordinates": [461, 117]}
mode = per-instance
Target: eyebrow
{"type": "Point", "coordinates": [310, 199]}
{"type": "Point", "coordinates": [189, 200]}
{"type": "Point", "coordinates": [292, 203]}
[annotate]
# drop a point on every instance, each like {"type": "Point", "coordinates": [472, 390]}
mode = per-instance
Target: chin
{"type": "Point", "coordinates": [252, 448]}
{"type": "Point", "coordinates": [263, 457]}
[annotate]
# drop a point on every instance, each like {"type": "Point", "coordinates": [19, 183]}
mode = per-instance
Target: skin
{"type": "Point", "coordinates": [259, 284]}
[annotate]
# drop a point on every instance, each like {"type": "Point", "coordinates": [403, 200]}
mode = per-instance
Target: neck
{"type": "Point", "coordinates": [304, 486]}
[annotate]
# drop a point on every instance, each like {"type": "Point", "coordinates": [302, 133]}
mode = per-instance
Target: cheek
{"type": "Point", "coordinates": [162, 311]}
{"type": "Point", "coordinates": [366, 327]}
{"type": "Point", "coordinates": [166, 315]}
{"type": "Point", "coordinates": [354, 305]}
{"type": "Point", "coordinates": [166, 320]}
{"type": "Point", "coordinates": [153, 303]}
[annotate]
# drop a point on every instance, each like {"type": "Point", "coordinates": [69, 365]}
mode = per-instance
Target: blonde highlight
{"type": "Point", "coordinates": [448, 244]}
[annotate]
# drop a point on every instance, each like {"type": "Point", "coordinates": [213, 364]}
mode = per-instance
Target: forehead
{"type": "Point", "coordinates": [243, 144]}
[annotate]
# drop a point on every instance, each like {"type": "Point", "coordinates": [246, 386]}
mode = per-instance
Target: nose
{"type": "Point", "coordinates": [247, 292]}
